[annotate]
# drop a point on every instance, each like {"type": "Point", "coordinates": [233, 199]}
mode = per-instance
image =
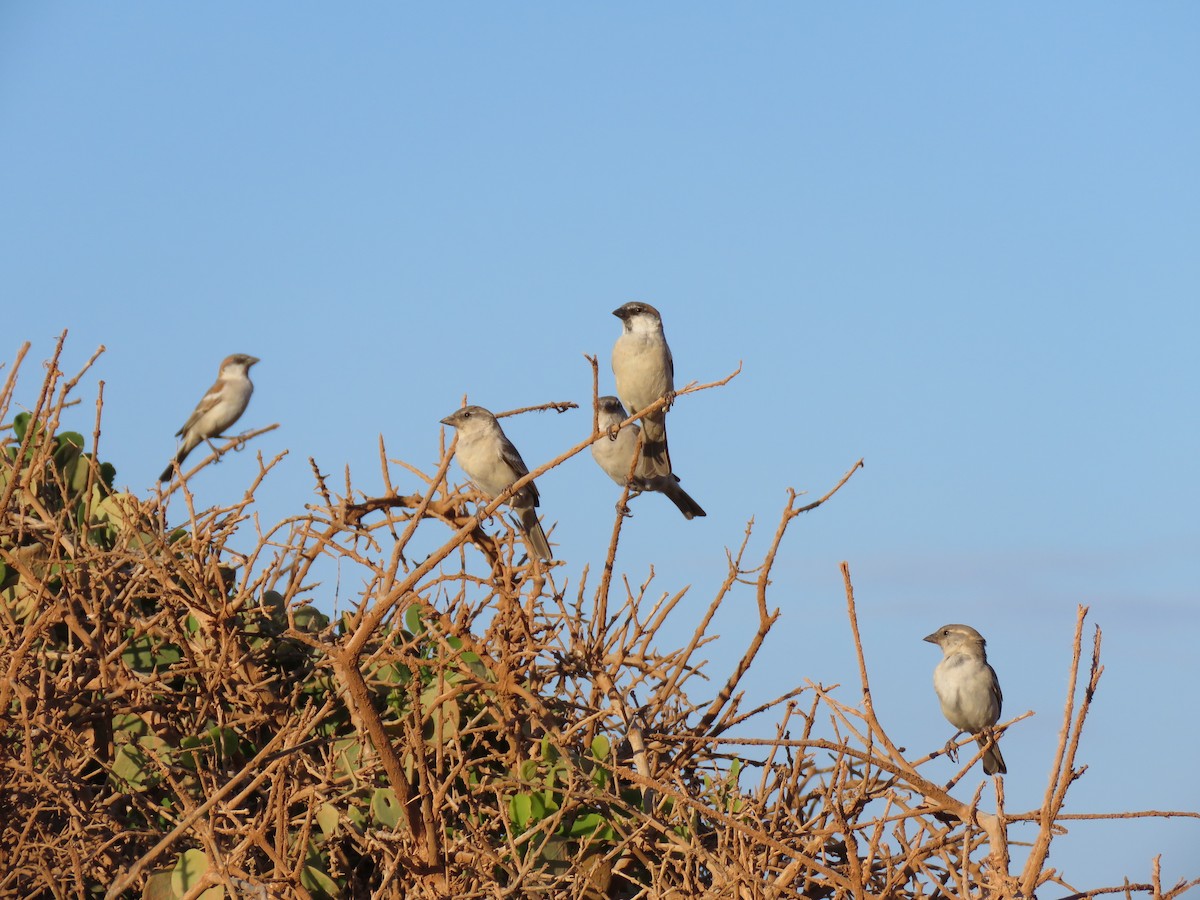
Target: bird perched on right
{"type": "Point", "coordinates": [493, 464]}
{"type": "Point", "coordinates": [615, 452]}
{"type": "Point", "coordinates": [218, 409]}
{"type": "Point", "coordinates": [645, 372]}
{"type": "Point", "coordinates": [968, 689]}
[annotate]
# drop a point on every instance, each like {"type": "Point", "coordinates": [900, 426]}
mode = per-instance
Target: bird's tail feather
{"type": "Point", "coordinates": [187, 448]}
{"type": "Point", "coordinates": [677, 495]}
{"type": "Point", "coordinates": [993, 762]}
{"type": "Point", "coordinates": [654, 428]}
{"type": "Point", "coordinates": [533, 532]}
{"type": "Point", "coordinates": [655, 461]}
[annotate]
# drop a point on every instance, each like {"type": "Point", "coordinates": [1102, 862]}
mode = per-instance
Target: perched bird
{"type": "Point", "coordinates": [218, 409]}
{"type": "Point", "coordinates": [968, 688]}
{"type": "Point", "coordinates": [493, 464]}
{"type": "Point", "coordinates": [615, 456]}
{"type": "Point", "coordinates": [642, 364]}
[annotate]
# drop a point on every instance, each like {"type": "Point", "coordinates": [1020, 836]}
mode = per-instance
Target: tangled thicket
{"type": "Point", "coordinates": [181, 720]}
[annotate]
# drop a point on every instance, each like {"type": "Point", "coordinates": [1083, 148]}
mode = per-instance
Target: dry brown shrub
{"type": "Point", "coordinates": [180, 721]}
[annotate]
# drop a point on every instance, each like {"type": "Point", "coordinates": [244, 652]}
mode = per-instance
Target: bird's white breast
{"type": "Point", "coordinates": [964, 688]}
{"type": "Point", "coordinates": [642, 368]}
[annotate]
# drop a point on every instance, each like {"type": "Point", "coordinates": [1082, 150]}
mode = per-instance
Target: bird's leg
{"type": "Point", "coordinates": [622, 508]}
{"type": "Point", "coordinates": [613, 430]}
{"type": "Point", "coordinates": [215, 451]}
{"type": "Point", "coordinates": [239, 437]}
{"type": "Point", "coordinates": [670, 395]}
{"type": "Point", "coordinates": [950, 750]}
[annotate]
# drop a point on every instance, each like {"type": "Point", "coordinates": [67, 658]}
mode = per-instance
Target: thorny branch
{"type": "Point", "coordinates": [465, 729]}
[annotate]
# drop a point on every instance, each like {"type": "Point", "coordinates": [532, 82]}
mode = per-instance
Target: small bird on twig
{"type": "Point", "coordinates": [645, 372]}
{"type": "Point", "coordinates": [493, 464]}
{"type": "Point", "coordinates": [223, 405]}
{"type": "Point", "coordinates": [615, 456]}
{"type": "Point", "coordinates": [968, 689]}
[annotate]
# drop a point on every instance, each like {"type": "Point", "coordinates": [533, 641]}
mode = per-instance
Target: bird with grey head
{"type": "Point", "coordinates": [968, 689]}
{"type": "Point", "coordinates": [493, 464]}
{"type": "Point", "coordinates": [217, 410]}
{"type": "Point", "coordinates": [614, 454]}
{"type": "Point", "coordinates": [645, 372]}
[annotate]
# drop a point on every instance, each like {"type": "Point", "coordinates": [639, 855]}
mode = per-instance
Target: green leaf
{"type": "Point", "coordinates": [599, 776]}
{"type": "Point", "coordinates": [559, 773]}
{"type": "Point", "coordinates": [272, 604]}
{"type": "Point", "coordinates": [385, 808]}
{"type": "Point", "coordinates": [477, 666]}
{"type": "Point", "coordinates": [309, 619]}
{"type": "Point", "coordinates": [443, 718]}
{"type": "Point", "coordinates": [520, 809]}
{"type": "Point", "coordinates": [347, 754]}
{"type": "Point", "coordinates": [191, 865]}
{"type": "Point", "coordinates": [537, 806]}
{"type": "Point", "coordinates": [600, 747]}
{"type": "Point", "coordinates": [219, 741]}
{"type": "Point", "coordinates": [130, 768]}
{"type": "Point", "coordinates": [412, 620]}
{"type": "Point", "coordinates": [22, 603]}
{"type": "Point", "coordinates": [328, 819]}
{"type": "Point", "coordinates": [128, 723]}
{"type": "Point", "coordinates": [158, 886]}
{"type": "Point", "coordinates": [145, 654]}
{"type": "Point", "coordinates": [68, 439]}
{"type": "Point", "coordinates": [394, 673]}
{"type": "Point", "coordinates": [357, 818]}
{"type": "Point", "coordinates": [586, 825]}
{"type": "Point", "coordinates": [318, 882]}
{"type": "Point", "coordinates": [75, 473]}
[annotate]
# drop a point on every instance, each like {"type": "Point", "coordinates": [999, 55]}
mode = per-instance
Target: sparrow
{"type": "Point", "coordinates": [968, 689]}
{"type": "Point", "coordinates": [223, 405]}
{"type": "Point", "coordinates": [492, 463]}
{"type": "Point", "coordinates": [642, 364]}
{"type": "Point", "coordinates": [615, 455]}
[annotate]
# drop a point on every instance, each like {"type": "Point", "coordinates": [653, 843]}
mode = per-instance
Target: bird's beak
{"type": "Point", "coordinates": [449, 420]}
{"type": "Point", "coordinates": [618, 314]}
{"type": "Point", "coordinates": [253, 360]}
{"type": "Point", "coordinates": [932, 638]}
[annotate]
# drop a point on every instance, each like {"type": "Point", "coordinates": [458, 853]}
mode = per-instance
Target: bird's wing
{"type": "Point", "coordinates": [996, 689]}
{"type": "Point", "coordinates": [512, 458]}
{"type": "Point", "coordinates": [207, 402]}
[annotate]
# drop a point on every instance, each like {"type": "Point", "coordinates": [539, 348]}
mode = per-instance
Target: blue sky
{"type": "Point", "coordinates": [960, 242]}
